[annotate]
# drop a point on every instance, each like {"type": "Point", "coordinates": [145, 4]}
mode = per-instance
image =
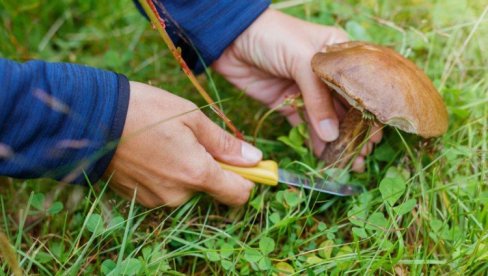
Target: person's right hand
{"type": "Point", "coordinates": [270, 61]}
{"type": "Point", "coordinates": [168, 150]}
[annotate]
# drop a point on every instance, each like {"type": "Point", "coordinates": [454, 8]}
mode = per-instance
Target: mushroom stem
{"type": "Point", "coordinates": [352, 132]}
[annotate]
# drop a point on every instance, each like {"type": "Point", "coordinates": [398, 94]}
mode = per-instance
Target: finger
{"type": "Point", "coordinates": [366, 149]}
{"type": "Point", "coordinates": [318, 145]}
{"type": "Point", "coordinates": [376, 134]}
{"type": "Point", "coordinates": [222, 145]}
{"type": "Point", "coordinates": [358, 164]}
{"type": "Point", "coordinates": [319, 104]}
{"type": "Point", "coordinates": [174, 197]}
{"type": "Point", "coordinates": [340, 108]}
{"type": "Point", "coordinates": [126, 189]}
{"type": "Point", "coordinates": [227, 187]}
{"type": "Point", "coordinates": [289, 111]}
{"type": "Point", "coordinates": [294, 118]}
{"type": "Point", "coordinates": [202, 173]}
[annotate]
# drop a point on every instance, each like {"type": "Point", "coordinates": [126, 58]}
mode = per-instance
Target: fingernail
{"type": "Point", "coordinates": [329, 130]}
{"type": "Point", "coordinates": [251, 153]}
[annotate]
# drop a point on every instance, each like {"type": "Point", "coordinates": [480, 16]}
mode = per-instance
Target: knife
{"type": "Point", "coordinates": [268, 173]}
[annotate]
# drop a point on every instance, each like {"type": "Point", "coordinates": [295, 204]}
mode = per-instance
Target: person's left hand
{"type": "Point", "coordinates": [270, 61]}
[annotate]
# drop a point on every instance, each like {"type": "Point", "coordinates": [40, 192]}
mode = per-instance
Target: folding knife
{"type": "Point", "coordinates": [268, 173]}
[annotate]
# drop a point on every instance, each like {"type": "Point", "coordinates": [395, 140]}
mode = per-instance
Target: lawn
{"type": "Point", "coordinates": [435, 223]}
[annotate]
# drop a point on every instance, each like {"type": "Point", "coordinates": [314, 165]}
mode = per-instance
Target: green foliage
{"type": "Point", "coordinates": [326, 248]}
{"type": "Point", "coordinates": [356, 31]}
{"type": "Point", "coordinates": [284, 268]}
{"type": "Point", "coordinates": [406, 207]}
{"type": "Point", "coordinates": [40, 204]}
{"type": "Point", "coordinates": [292, 198]}
{"type": "Point", "coordinates": [130, 266]}
{"type": "Point", "coordinates": [392, 186]}
{"type": "Point", "coordinates": [108, 266]}
{"type": "Point", "coordinates": [296, 141]}
{"type": "Point", "coordinates": [377, 222]}
{"type": "Point", "coordinates": [94, 224]}
{"type": "Point", "coordinates": [266, 245]}
{"type": "Point", "coordinates": [426, 206]}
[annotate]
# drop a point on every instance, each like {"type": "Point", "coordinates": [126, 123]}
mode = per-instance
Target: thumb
{"type": "Point", "coordinates": [319, 104]}
{"type": "Point", "coordinates": [222, 145]}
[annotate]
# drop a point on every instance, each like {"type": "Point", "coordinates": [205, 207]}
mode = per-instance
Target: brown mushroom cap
{"type": "Point", "coordinates": [381, 81]}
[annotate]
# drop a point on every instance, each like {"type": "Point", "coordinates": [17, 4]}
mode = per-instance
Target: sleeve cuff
{"type": "Point", "coordinates": [117, 127]}
{"type": "Point", "coordinates": [203, 29]}
{"type": "Point", "coordinates": [227, 30]}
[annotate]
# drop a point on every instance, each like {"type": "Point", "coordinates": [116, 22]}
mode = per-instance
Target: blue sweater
{"type": "Point", "coordinates": [63, 121]}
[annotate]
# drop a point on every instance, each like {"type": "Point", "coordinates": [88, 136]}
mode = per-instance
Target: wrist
{"type": "Point", "coordinates": [116, 128]}
{"type": "Point", "coordinates": [247, 46]}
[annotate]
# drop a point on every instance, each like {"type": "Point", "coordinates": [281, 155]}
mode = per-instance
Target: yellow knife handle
{"type": "Point", "coordinates": [266, 172]}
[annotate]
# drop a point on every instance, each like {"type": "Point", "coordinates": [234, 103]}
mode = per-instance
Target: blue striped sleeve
{"type": "Point", "coordinates": [59, 120]}
{"type": "Point", "coordinates": [207, 26]}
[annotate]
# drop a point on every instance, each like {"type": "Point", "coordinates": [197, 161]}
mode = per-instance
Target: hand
{"type": "Point", "coordinates": [270, 61]}
{"type": "Point", "coordinates": [168, 150]}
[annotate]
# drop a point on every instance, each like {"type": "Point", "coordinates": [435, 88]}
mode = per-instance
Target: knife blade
{"type": "Point", "coordinates": [268, 173]}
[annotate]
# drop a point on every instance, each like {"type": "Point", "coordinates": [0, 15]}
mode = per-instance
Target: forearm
{"type": "Point", "coordinates": [57, 119]}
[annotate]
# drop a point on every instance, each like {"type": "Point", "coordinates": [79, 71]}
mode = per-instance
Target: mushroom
{"type": "Point", "coordinates": [381, 86]}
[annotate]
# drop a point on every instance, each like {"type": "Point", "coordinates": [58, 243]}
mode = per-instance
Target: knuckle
{"type": "Point", "coordinates": [338, 35]}
{"type": "Point", "coordinates": [200, 174]}
{"type": "Point", "coordinates": [317, 99]}
{"type": "Point", "coordinates": [189, 105]}
{"type": "Point", "coordinates": [195, 115]}
{"type": "Point", "coordinates": [150, 202]}
{"type": "Point", "coordinates": [242, 198]}
{"type": "Point", "coordinates": [318, 103]}
{"type": "Point", "coordinates": [192, 109]}
{"type": "Point", "coordinates": [227, 143]}
{"type": "Point", "coordinates": [173, 204]}
{"type": "Point", "coordinates": [178, 199]}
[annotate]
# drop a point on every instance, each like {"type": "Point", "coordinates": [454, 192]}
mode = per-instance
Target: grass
{"type": "Point", "coordinates": [426, 211]}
